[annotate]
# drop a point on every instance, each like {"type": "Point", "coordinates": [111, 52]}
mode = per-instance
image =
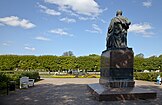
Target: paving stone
{"type": "Point", "coordinates": [72, 91]}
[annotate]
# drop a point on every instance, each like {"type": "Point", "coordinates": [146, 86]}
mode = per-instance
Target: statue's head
{"type": "Point", "coordinates": [119, 12]}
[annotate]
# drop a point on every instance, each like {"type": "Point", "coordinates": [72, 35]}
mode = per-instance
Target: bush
{"type": "Point", "coordinates": [151, 76]}
{"type": "Point", "coordinates": [6, 77]}
{"type": "Point", "coordinates": [3, 80]}
{"type": "Point", "coordinates": [31, 74]}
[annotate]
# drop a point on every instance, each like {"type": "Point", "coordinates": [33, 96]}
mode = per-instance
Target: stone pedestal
{"type": "Point", "coordinates": [116, 81]}
{"type": "Point", "coordinates": [102, 93]}
{"type": "Point", "coordinates": [117, 68]}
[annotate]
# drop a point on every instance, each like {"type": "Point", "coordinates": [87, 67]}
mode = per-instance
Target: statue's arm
{"type": "Point", "coordinates": [128, 21]}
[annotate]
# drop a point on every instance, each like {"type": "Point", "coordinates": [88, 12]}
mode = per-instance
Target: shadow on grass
{"type": "Point", "coordinates": [68, 94]}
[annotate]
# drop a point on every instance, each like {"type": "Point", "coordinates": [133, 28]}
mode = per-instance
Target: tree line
{"type": "Point", "coordinates": [49, 63]}
{"type": "Point", "coordinates": [66, 63]}
{"type": "Point", "coordinates": [151, 63]}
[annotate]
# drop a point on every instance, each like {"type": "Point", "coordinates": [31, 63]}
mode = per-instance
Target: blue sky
{"type": "Point", "coordinates": [51, 27]}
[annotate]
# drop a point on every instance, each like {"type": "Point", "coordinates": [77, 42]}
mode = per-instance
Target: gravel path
{"type": "Point", "coordinates": [54, 91]}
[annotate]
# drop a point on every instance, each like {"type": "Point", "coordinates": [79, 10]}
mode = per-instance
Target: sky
{"type": "Point", "coordinates": [52, 27]}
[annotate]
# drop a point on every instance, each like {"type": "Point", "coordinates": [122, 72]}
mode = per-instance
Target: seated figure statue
{"type": "Point", "coordinates": [117, 32]}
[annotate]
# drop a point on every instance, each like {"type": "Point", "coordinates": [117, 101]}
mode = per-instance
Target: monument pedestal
{"type": "Point", "coordinates": [102, 93]}
{"type": "Point", "coordinates": [117, 68]}
{"type": "Point", "coordinates": [116, 81]}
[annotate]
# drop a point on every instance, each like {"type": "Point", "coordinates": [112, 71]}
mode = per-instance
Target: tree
{"type": "Point", "coordinates": [48, 63]}
{"type": "Point", "coordinates": [154, 56]}
{"type": "Point", "coordinates": [160, 56]}
{"type": "Point", "coordinates": [8, 62]}
{"type": "Point", "coordinates": [68, 53]}
{"type": "Point", "coordinates": [88, 63]}
{"type": "Point", "coordinates": [140, 55]}
{"type": "Point", "coordinates": [93, 55]}
{"type": "Point", "coordinates": [67, 62]}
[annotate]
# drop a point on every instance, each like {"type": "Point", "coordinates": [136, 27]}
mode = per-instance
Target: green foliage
{"type": "Point", "coordinates": [49, 63]}
{"type": "Point", "coordinates": [15, 76]}
{"type": "Point", "coordinates": [3, 80]}
{"type": "Point", "coordinates": [88, 63]}
{"type": "Point", "coordinates": [151, 76]}
{"type": "Point", "coordinates": [140, 55]}
{"type": "Point", "coordinates": [91, 76]}
{"type": "Point", "coordinates": [139, 64]}
{"type": "Point", "coordinates": [66, 63]}
{"type": "Point", "coordinates": [30, 74]}
{"type": "Point", "coordinates": [68, 53]}
{"type": "Point", "coordinates": [8, 62]}
{"type": "Point", "coordinates": [160, 56]}
{"type": "Point", "coordinates": [151, 63]}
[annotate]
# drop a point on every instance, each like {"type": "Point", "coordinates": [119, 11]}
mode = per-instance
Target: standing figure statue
{"type": "Point", "coordinates": [117, 32]}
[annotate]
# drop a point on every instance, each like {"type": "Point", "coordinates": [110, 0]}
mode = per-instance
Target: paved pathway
{"type": "Point", "coordinates": [54, 91]}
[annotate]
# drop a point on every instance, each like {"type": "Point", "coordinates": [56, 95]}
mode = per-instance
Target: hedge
{"type": "Point", "coordinates": [5, 77]}
{"type": "Point", "coordinates": [3, 80]}
{"type": "Point", "coordinates": [151, 76]}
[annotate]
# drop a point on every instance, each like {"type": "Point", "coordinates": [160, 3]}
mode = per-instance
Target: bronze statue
{"type": "Point", "coordinates": [117, 32]}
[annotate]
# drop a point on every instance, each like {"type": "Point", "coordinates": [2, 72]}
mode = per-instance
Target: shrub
{"type": "Point", "coordinates": [31, 74]}
{"type": "Point", "coordinates": [6, 77]}
{"type": "Point", "coordinates": [151, 76]}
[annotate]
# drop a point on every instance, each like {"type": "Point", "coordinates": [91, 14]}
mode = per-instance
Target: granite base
{"type": "Point", "coordinates": [103, 93]}
{"type": "Point", "coordinates": [117, 83]}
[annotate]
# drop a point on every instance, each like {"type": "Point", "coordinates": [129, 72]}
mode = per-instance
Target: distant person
{"type": "Point", "coordinates": [159, 80]}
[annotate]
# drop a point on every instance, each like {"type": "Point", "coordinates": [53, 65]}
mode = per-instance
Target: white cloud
{"type": "Point", "coordinates": [64, 9]}
{"type": "Point", "coordinates": [42, 38]}
{"type": "Point", "coordinates": [147, 4]}
{"type": "Point", "coordinates": [60, 32]}
{"type": "Point", "coordinates": [86, 18]}
{"type": "Point", "coordinates": [29, 48]}
{"type": "Point", "coordinates": [15, 21]}
{"type": "Point", "coordinates": [68, 20]}
{"type": "Point", "coordinates": [49, 11]}
{"type": "Point", "coordinates": [143, 29]}
{"type": "Point", "coordinates": [83, 18]}
{"type": "Point", "coordinates": [95, 29]}
{"type": "Point", "coordinates": [7, 43]}
{"type": "Point", "coordinates": [69, 12]}
{"type": "Point", "coordinates": [92, 31]}
{"type": "Point", "coordinates": [84, 7]}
